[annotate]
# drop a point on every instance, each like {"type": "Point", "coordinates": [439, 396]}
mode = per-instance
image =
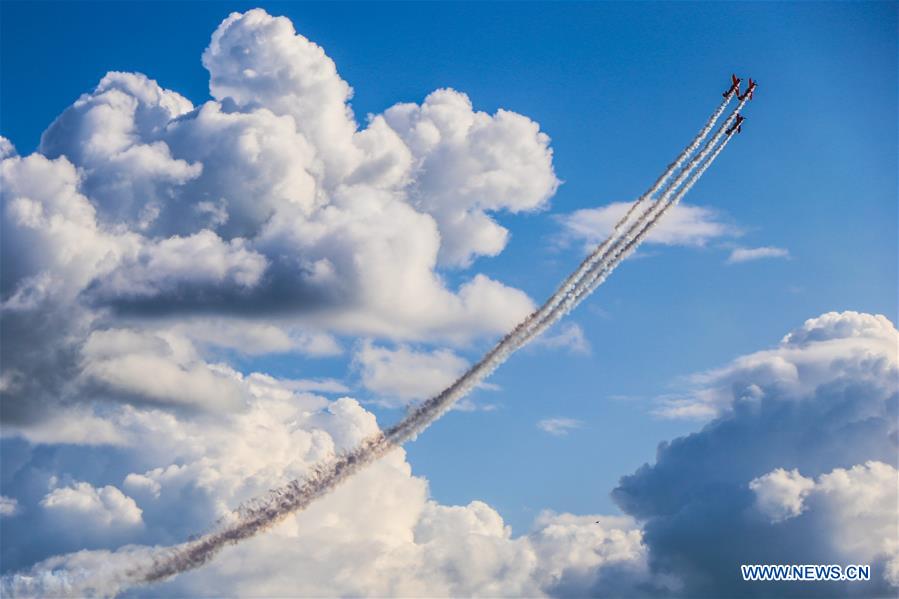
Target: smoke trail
{"type": "Point", "coordinates": [650, 217]}
{"type": "Point", "coordinates": [297, 495]}
{"type": "Point", "coordinates": [609, 259]}
{"type": "Point", "coordinates": [601, 274]}
{"type": "Point", "coordinates": [257, 516]}
{"type": "Point", "coordinates": [630, 241]}
{"type": "Point", "coordinates": [679, 161]}
{"type": "Point", "coordinates": [594, 257]}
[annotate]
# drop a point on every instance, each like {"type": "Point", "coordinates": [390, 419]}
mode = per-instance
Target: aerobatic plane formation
{"type": "Point", "coordinates": [261, 513]}
{"type": "Point", "coordinates": [735, 89]}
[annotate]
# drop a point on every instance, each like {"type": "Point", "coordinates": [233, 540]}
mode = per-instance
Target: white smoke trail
{"type": "Point", "coordinates": [679, 161]}
{"type": "Point", "coordinates": [607, 260]}
{"type": "Point", "coordinates": [296, 495]}
{"type": "Point", "coordinates": [600, 274]}
{"type": "Point", "coordinates": [597, 255]}
{"type": "Point", "coordinates": [650, 217]}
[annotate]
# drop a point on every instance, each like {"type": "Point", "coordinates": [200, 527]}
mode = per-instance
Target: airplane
{"type": "Point", "coordinates": [738, 126]}
{"type": "Point", "coordinates": [734, 86]}
{"type": "Point", "coordinates": [749, 91]}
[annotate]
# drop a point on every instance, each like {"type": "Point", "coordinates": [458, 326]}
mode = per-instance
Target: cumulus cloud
{"type": "Point", "coordinates": [73, 574]}
{"type": "Point", "coordinates": [45, 212]}
{"type": "Point", "coordinates": [820, 354]}
{"type": "Point", "coordinates": [86, 508]}
{"type": "Point", "coordinates": [256, 60]}
{"type": "Point", "coordinates": [142, 212]}
{"type": "Point", "coordinates": [270, 198]}
{"type": "Point", "coordinates": [149, 237]}
{"type": "Point", "coordinates": [158, 368]}
{"type": "Point", "coordinates": [430, 550]}
{"type": "Point", "coordinates": [780, 494]}
{"type": "Point", "coordinates": [858, 506]}
{"type": "Point", "coordinates": [469, 163]}
{"type": "Point", "coordinates": [78, 425]}
{"type": "Point", "coordinates": [6, 148]}
{"type": "Point", "coordinates": [605, 555]}
{"type": "Point", "coordinates": [797, 465]}
{"type": "Point", "coordinates": [115, 135]}
{"type": "Point", "coordinates": [175, 264]}
{"type": "Point", "coordinates": [559, 426]}
{"type": "Point", "coordinates": [685, 224]}
{"type": "Point", "coordinates": [398, 376]}
{"type": "Point", "coordinates": [748, 254]}
{"type": "Point", "coordinates": [179, 475]}
{"type": "Point", "coordinates": [148, 241]}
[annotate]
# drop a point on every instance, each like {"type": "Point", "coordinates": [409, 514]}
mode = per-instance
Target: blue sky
{"type": "Point", "coordinates": [619, 88]}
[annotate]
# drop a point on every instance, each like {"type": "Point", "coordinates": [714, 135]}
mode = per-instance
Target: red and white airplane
{"type": "Point", "coordinates": [738, 126]}
{"type": "Point", "coordinates": [734, 86]}
{"type": "Point", "coordinates": [749, 91]}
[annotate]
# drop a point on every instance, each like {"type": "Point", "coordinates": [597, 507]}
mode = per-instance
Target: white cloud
{"type": "Point", "coordinates": [796, 465]}
{"type": "Point", "coordinates": [44, 211]}
{"type": "Point", "coordinates": [257, 60]}
{"type": "Point", "coordinates": [147, 231]}
{"type": "Point", "coordinates": [9, 506]}
{"type": "Point", "coordinates": [860, 507]}
{"type": "Point", "coordinates": [780, 494]}
{"type": "Point", "coordinates": [469, 163]}
{"type": "Point", "coordinates": [398, 376]}
{"type": "Point", "coordinates": [817, 354]}
{"type": "Point", "coordinates": [837, 326]}
{"type": "Point", "coordinates": [158, 368]}
{"type": "Point", "coordinates": [88, 510]}
{"type": "Point", "coordinates": [685, 224]}
{"type": "Point", "coordinates": [7, 150]}
{"type": "Point", "coordinates": [167, 266]}
{"type": "Point", "coordinates": [428, 550]}
{"type": "Point", "coordinates": [184, 473]}
{"type": "Point", "coordinates": [602, 552]}
{"type": "Point", "coordinates": [857, 505]}
{"type": "Point", "coordinates": [569, 336]}
{"type": "Point", "coordinates": [250, 337]}
{"type": "Point", "coordinates": [748, 254]}
{"type": "Point", "coordinates": [269, 199]}
{"type": "Point", "coordinates": [114, 136]}
{"type": "Point", "coordinates": [77, 426]}
{"type": "Point", "coordinates": [142, 212]}
{"type": "Point", "coordinates": [75, 574]}
{"type": "Point", "coordinates": [559, 426]}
